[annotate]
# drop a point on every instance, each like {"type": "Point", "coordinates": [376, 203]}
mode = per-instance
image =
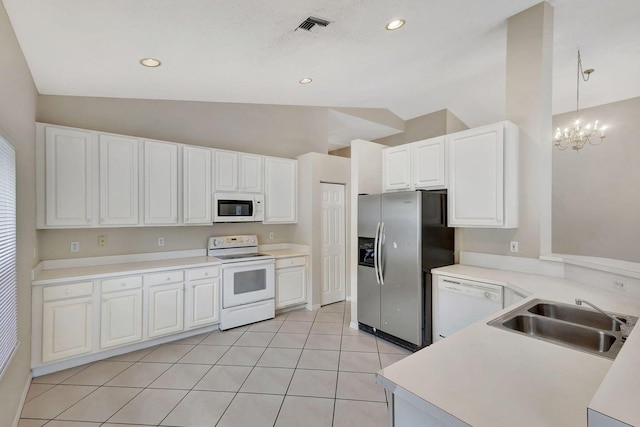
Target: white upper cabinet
{"type": "Point", "coordinates": [68, 177]}
{"type": "Point", "coordinates": [483, 177]}
{"type": "Point", "coordinates": [238, 172]}
{"type": "Point", "coordinates": [196, 185]}
{"type": "Point", "coordinates": [280, 190]}
{"type": "Point", "coordinates": [118, 180]}
{"type": "Point", "coordinates": [250, 173]}
{"type": "Point", "coordinates": [396, 168]}
{"type": "Point", "coordinates": [226, 170]}
{"type": "Point", "coordinates": [160, 183]}
{"type": "Point", "coordinates": [429, 166]}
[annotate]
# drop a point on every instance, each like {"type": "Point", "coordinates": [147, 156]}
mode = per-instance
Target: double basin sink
{"type": "Point", "coordinates": [567, 325]}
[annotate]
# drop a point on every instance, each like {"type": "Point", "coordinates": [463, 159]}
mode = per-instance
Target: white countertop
{"type": "Point", "coordinates": [284, 250]}
{"type": "Point", "coordinates": [63, 275]}
{"type": "Point", "coordinates": [486, 376]}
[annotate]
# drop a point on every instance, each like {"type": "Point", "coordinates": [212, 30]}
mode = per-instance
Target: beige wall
{"type": "Point", "coordinates": [596, 201]}
{"type": "Point", "coordinates": [18, 98]}
{"type": "Point", "coordinates": [314, 169]}
{"type": "Point", "coordinates": [274, 130]}
{"type": "Point", "coordinates": [342, 152]}
{"type": "Point", "coordinates": [529, 66]}
{"type": "Point", "coordinates": [418, 128]}
{"type": "Point", "coordinates": [55, 244]}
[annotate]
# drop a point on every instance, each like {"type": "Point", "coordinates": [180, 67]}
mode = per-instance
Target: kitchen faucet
{"type": "Point", "coordinates": [581, 301]}
{"type": "Point", "coordinates": [625, 326]}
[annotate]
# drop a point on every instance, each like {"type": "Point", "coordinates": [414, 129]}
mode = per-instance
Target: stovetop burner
{"type": "Point", "coordinates": [240, 256]}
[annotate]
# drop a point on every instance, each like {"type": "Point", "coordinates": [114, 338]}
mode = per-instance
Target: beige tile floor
{"type": "Point", "coordinates": [303, 368]}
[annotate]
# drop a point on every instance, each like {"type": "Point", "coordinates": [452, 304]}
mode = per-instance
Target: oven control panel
{"type": "Point", "coordinates": [233, 241]}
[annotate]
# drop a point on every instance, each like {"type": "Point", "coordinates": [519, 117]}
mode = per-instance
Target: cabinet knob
{"type": "Point", "coordinates": [168, 278]}
{"type": "Point", "coordinates": [68, 291]}
{"type": "Point", "coordinates": [89, 302]}
{"type": "Point", "coordinates": [123, 284]}
{"type": "Point", "coordinates": [206, 274]}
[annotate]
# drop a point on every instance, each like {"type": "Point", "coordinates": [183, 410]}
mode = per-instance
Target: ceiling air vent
{"type": "Point", "coordinates": [312, 24]}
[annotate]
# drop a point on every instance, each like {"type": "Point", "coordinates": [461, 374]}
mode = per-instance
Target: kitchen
{"type": "Point", "coordinates": [198, 118]}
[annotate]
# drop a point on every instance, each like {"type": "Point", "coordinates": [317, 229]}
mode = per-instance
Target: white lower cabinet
{"type": "Point", "coordinates": [67, 324]}
{"type": "Point", "coordinates": [291, 282]}
{"type": "Point", "coordinates": [166, 304]}
{"type": "Point", "coordinates": [129, 309]}
{"type": "Point", "coordinates": [202, 297]}
{"type": "Point", "coordinates": [203, 303]}
{"type": "Point", "coordinates": [121, 317]}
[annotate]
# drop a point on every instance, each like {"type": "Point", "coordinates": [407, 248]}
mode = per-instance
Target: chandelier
{"type": "Point", "coordinates": [577, 135]}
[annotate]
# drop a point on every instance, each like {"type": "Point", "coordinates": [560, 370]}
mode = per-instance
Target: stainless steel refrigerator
{"type": "Point", "coordinates": [401, 237]}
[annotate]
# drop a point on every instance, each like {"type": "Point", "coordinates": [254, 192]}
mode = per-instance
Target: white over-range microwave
{"type": "Point", "coordinates": [238, 207]}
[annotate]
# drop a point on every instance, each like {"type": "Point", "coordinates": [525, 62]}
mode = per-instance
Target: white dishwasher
{"type": "Point", "coordinates": [463, 302]}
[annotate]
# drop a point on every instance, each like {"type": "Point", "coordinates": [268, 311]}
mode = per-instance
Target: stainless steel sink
{"type": "Point", "coordinates": [566, 333]}
{"type": "Point", "coordinates": [573, 314]}
{"type": "Point", "coordinates": [567, 325]}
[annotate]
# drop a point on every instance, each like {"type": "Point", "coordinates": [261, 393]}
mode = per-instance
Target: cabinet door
{"type": "Point", "coordinates": [160, 183]}
{"type": "Point", "coordinates": [68, 177]}
{"type": "Point", "coordinates": [476, 180]}
{"type": "Point", "coordinates": [165, 309]}
{"type": "Point", "coordinates": [396, 168]}
{"type": "Point", "coordinates": [250, 173]}
{"type": "Point", "coordinates": [121, 318]}
{"type": "Point", "coordinates": [118, 180]}
{"type": "Point", "coordinates": [429, 163]}
{"type": "Point", "coordinates": [280, 190]}
{"type": "Point", "coordinates": [196, 182]}
{"type": "Point", "coordinates": [291, 286]}
{"type": "Point", "coordinates": [226, 171]}
{"type": "Point", "coordinates": [66, 328]}
{"type": "Point", "coordinates": [202, 303]}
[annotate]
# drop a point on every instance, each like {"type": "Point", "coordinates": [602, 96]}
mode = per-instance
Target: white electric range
{"type": "Point", "coordinates": [248, 280]}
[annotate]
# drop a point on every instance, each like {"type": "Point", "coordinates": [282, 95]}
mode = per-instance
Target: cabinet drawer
{"type": "Point", "coordinates": [166, 277]}
{"type": "Point", "coordinates": [121, 284]}
{"type": "Point", "coordinates": [52, 293]}
{"type": "Point", "coordinates": [203, 273]}
{"type": "Point", "coordinates": [290, 262]}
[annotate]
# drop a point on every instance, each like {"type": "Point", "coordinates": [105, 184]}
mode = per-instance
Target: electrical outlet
{"type": "Point", "coordinates": [75, 246]}
{"type": "Point", "coordinates": [513, 246]}
{"type": "Point", "coordinates": [618, 283]}
{"type": "Point", "coordinates": [272, 235]}
{"type": "Point", "coordinates": [102, 240]}
{"type": "Point", "coordinates": [160, 241]}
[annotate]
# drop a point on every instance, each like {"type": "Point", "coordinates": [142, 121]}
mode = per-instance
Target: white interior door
{"type": "Point", "coordinates": [333, 243]}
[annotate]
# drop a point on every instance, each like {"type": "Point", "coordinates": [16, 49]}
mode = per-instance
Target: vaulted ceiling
{"type": "Point", "coordinates": [450, 54]}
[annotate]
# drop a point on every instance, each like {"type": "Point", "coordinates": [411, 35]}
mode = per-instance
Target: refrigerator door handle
{"type": "Point", "coordinates": [375, 254]}
{"type": "Point", "coordinates": [379, 253]}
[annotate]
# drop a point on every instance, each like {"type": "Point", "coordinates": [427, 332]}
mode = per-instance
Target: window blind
{"type": "Point", "coordinates": [8, 280]}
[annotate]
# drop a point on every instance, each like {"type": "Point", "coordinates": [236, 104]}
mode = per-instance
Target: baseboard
{"type": "Point", "coordinates": [312, 306]}
{"type": "Point", "coordinates": [545, 267]}
{"type": "Point", "coordinates": [23, 399]}
{"type": "Point", "coordinates": [354, 325]}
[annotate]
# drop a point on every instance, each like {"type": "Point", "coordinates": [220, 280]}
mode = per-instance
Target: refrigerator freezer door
{"type": "Point", "coordinates": [368, 215]}
{"type": "Point", "coordinates": [401, 294]}
{"type": "Point", "coordinates": [368, 297]}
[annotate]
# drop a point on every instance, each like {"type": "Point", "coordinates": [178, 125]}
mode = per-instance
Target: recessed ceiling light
{"type": "Point", "coordinates": [394, 25]}
{"type": "Point", "coordinates": [305, 81]}
{"type": "Point", "coordinates": [150, 62]}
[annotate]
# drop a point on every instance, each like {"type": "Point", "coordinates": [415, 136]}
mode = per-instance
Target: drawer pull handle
{"type": "Point", "coordinates": [206, 274]}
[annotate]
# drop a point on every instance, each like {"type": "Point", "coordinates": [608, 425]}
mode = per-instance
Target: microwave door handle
{"type": "Point", "coordinates": [380, 254]}
{"type": "Point", "coordinates": [375, 254]}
